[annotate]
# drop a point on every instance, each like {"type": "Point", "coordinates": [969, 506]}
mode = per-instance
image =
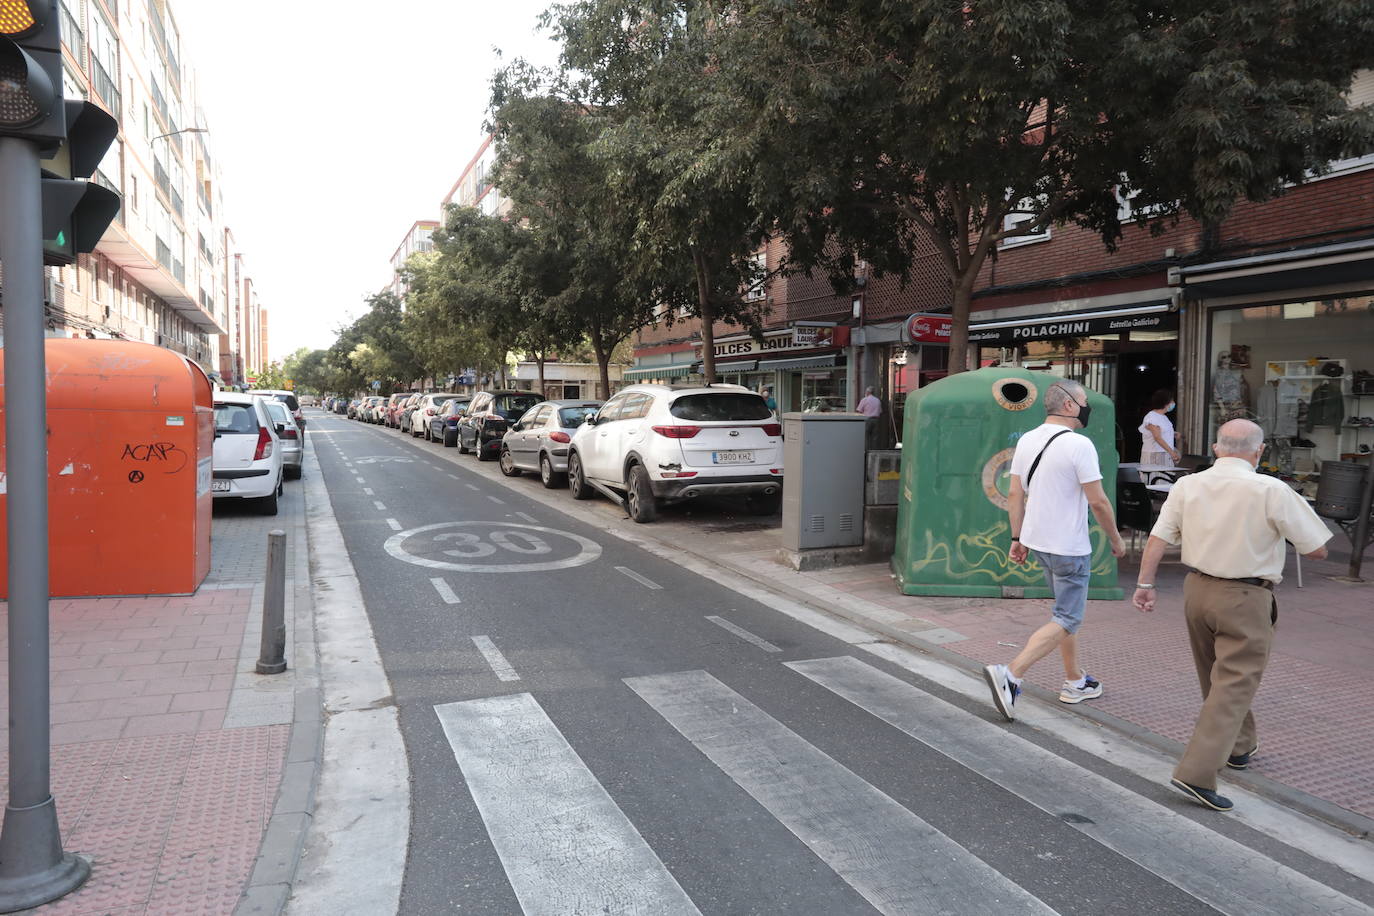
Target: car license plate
{"type": "Point", "coordinates": [732, 457]}
{"type": "Point", "coordinates": [219, 486]}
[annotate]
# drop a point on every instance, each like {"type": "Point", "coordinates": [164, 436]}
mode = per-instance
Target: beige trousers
{"type": "Point", "coordinates": [1231, 629]}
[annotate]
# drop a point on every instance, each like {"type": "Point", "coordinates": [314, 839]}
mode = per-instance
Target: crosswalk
{"type": "Point", "coordinates": [567, 847]}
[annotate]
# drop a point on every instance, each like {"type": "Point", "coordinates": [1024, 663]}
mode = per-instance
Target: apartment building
{"type": "Point", "coordinates": [474, 186]}
{"type": "Point", "coordinates": [161, 272]}
{"type": "Point", "coordinates": [418, 238]}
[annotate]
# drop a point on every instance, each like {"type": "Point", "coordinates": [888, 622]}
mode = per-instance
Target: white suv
{"type": "Point", "coordinates": [662, 442]}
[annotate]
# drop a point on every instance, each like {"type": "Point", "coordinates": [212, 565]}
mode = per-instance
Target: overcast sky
{"type": "Point", "coordinates": [337, 125]}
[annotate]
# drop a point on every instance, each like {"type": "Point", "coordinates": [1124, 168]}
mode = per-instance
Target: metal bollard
{"type": "Point", "coordinates": [272, 655]}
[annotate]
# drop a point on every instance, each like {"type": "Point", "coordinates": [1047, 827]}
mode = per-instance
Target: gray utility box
{"type": "Point", "coordinates": [823, 500]}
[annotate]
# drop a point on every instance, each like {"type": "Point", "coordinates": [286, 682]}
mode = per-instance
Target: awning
{"type": "Point", "coordinates": [735, 365]}
{"type": "Point", "coordinates": [1325, 265]}
{"type": "Point", "coordinates": [1146, 317]}
{"type": "Point", "coordinates": [800, 362]}
{"type": "Point", "coordinates": [676, 370]}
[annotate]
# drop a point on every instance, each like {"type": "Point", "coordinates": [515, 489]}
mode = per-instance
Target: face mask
{"type": "Point", "coordinates": [1170, 408]}
{"type": "Point", "coordinates": [1084, 412]}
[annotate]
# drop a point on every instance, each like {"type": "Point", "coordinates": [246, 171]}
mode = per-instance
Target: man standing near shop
{"type": "Point", "coordinates": [1233, 524]}
{"type": "Point", "coordinates": [871, 408]}
{"type": "Point", "coordinates": [1055, 480]}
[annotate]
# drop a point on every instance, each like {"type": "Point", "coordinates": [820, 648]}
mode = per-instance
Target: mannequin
{"type": "Point", "coordinates": [1230, 393]}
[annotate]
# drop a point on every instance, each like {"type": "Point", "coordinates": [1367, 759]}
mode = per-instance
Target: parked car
{"type": "Point", "coordinates": [488, 417]}
{"type": "Point", "coordinates": [374, 409]}
{"type": "Point", "coordinates": [246, 462]}
{"type": "Point", "coordinates": [539, 440]}
{"type": "Point", "coordinates": [658, 442]}
{"type": "Point", "coordinates": [351, 409]}
{"type": "Point", "coordinates": [443, 426]}
{"type": "Point", "coordinates": [391, 409]}
{"type": "Point", "coordinates": [289, 438]}
{"type": "Point", "coordinates": [406, 409]}
{"type": "Point", "coordinates": [286, 397]}
{"type": "Point", "coordinates": [425, 408]}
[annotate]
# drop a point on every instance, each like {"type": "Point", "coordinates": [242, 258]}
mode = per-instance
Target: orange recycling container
{"type": "Point", "coordinates": [130, 438]}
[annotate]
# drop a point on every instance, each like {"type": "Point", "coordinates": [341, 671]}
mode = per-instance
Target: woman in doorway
{"type": "Point", "coordinates": [1157, 432]}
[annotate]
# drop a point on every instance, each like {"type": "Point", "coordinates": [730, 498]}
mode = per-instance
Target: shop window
{"type": "Point", "coordinates": [1302, 370]}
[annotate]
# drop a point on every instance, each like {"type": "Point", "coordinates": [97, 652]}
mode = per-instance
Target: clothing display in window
{"type": "Point", "coordinates": [1327, 407]}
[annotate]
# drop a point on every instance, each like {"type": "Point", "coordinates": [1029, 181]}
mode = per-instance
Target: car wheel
{"type": "Point", "coordinates": [550, 478]}
{"type": "Point", "coordinates": [508, 463]}
{"type": "Point", "coordinates": [450, 438]}
{"type": "Point", "coordinates": [640, 501]}
{"type": "Point", "coordinates": [429, 436]}
{"type": "Point", "coordinates": [268, 504]}
{"type": "Point", "coordinates": [577, 484]}
{"type": "Point", "coordinates": [462, 449]}
{"type": "Point", "coordinates": [293, 473]}
{"type": "Point", "coordinates": [480, 447]}
{"type": "Point", "coordinates": [763, 503]}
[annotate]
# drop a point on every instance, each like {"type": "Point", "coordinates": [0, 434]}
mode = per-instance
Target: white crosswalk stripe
{"type": "Point", "coordinates": [1214, 869]}
{"type": "Point", "coordinates": [897, 861]}
{"type": "Point", "coordinates": [564, 843]}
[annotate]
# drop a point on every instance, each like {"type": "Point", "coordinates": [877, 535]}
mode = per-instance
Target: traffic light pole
{"type": "Point", "coordinates": [33, 867]}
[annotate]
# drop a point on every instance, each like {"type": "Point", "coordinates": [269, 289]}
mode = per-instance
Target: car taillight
{"type": "Point", "coordinates": [680, 473]}
{"type": "Point", "coordinates": [429, 411]}
{"type": "Point", "coordinates": [772, 429]}
{"type": "Point", "coordinates": [677, 432]}
{"type": "Point", "coordinates": [264, 449]}
{"type": "Point", "coordinates": [560, 437]}
{"type": "Point", "coordinates": [289, 433]}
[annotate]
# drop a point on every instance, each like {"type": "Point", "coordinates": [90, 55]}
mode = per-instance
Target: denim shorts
{"type": "Point", "coordinates": [1067, 578]}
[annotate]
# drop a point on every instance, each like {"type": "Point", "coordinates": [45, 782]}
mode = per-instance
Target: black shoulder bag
{"type": "Point", "coordinates": [1036, 463]}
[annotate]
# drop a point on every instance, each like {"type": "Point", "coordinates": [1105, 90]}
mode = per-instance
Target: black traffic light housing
{"type": "Point", "coordinates": [77, 212]}
{"type": "Point", "coordinates": [31, 72]}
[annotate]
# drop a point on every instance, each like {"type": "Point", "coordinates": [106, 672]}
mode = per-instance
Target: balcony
{"type": "Point", "coordinates": [104, 87]}
{"type": "Point", "coordinates": [72, 35]}
{"type": "Point", "coordinates": [164, 276]}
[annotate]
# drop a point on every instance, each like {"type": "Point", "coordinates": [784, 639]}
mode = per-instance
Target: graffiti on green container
{"type": "Point", "coordinates": [982, 557]}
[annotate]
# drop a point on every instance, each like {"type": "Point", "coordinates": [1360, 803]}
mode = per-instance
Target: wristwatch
{"type": "Point", "coordinates": [1148, 585]}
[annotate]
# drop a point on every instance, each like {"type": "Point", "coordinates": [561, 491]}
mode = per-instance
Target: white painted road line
{"type": "Point", "coordinates": [743, 634]}
{"type": "Point", "coordinates": [453, 476]}
{"type": "Point", "coordinates": [527, 517]}
{"type": "Point", "coordinates": [495, 659]}
{"type": "Point", "coordinates": [395, 525]}
{"type": "Point", "coordinates": [564, 843]}
{"type": "Point", "coordinates": [445, 592]}
{"type": "Point", "coordinates": [647, 583]}
{"type": "Point", "coordinates": [381, 506]}
{"type": "Point", "coordinates": [898, 862]}
{"type": "Point", "coordinates": [471, 486]}
{"type": "Point", "coordinates": [1216, 870]}
{"type": "Point", "coordinates": [368, 491]}
{"type": "Point", "coordinates": [360, 480]}
{"type": "Point", "coordinates": [496, 499]}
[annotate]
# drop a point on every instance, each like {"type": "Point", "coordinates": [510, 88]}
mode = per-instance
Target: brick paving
{"type": "Point", "coordinates": [167, 800]}
{"type": "Point", "coordinates": [1315, 707]}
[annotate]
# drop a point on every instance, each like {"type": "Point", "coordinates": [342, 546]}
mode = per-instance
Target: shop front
{"type": "Point", "coordinates": [1287, 340]}
{"type": "Point", "coordinates": [1125, 347]}
{"type": "Point", "coordinates": [804, 366]}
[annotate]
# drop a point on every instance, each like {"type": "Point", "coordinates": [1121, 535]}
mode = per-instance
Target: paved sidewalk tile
{"type": "Point", "coordinates": [168, 803]}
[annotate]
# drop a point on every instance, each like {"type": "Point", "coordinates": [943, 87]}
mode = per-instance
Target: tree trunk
{"type": "Point", "coordinates": [539, 362]}
{"type": "Point", "coordinates": [603, 362]}
{"type": "Point", "coordinates": [958, 327]}
{"type": "Point", "coordinates": [708, 318]}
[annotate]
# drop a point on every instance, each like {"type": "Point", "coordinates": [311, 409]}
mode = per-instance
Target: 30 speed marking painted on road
{"type": "Point", "coordinates": [505, 539]}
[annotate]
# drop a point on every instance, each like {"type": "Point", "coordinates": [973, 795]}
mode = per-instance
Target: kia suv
{"type": "Point", "coordinates": [654, 443]}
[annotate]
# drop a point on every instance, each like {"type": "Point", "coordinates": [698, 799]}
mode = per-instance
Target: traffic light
{"type": "Point", "coordinates": [76, 213]}
{"type": "Point", "coordinates": [31, 72]}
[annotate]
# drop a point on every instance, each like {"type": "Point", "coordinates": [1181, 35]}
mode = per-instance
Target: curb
{"type": "Point", "coordinates": [279, 853]}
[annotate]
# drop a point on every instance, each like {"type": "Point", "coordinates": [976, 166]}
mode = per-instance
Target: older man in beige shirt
{"type": "Point", "coordinates": [1233, 525]}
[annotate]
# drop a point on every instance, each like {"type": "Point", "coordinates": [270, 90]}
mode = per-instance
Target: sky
{"type": "Point", "coordinates": [336, 126]}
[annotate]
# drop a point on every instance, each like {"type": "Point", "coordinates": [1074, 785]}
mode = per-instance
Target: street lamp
{"type": "Point", "coordinates": [184, 130]}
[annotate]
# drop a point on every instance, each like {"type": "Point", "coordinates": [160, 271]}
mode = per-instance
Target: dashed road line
{"type": "Point", "coordinates": [381, 506]}
{"type": "Point", "coordinates": [395, 525]}
{"type": "Point", "coordinates": [471, 486]}
{"type": "Point", "coordinates": [444, 590]}
{"type": "Point", "coordinates": [742, 633]}
{"type": "Point", "coordinates": [496, 499]}
{"type": "Point", "coordinates": [527, 517]}
{"type": "Point", "coordinates": [499, 666]}
{"type": "Point", "coordinates": [646, 582]}
{"type": "Point", "coordinates": [368, 491]}
{"type": "Point", "coordinates": [454, 477]}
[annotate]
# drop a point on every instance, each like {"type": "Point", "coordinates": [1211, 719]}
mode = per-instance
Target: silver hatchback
{"type": "Point", "coordinates": [539, 441]}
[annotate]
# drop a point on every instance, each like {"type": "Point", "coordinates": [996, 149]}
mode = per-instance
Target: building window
{"type": "Point", "coordinates": [1026, 210]}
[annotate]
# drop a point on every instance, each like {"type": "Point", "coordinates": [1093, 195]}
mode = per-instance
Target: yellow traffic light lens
{"type": "Point", "coordinates": [16, 17]}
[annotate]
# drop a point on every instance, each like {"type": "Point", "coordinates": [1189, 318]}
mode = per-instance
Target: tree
{"type": "Point", "coordinates": [642, 72]}
{"type": "Point", "coordinates": [375, 347]}
{"type": "Point", "coordinates": [929, 124]}
{"type": "Point", "coordinates": [271, 377]}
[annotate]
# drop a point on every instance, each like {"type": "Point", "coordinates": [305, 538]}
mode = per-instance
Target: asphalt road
{"type": "Point", "coordinates": [592, 728]}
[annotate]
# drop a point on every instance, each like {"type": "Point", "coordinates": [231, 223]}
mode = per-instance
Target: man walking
{"type": "Point", "coordinates": [871, 408]}
{"type": "Point", "coordinates": [1055, 480]}
{"type": "Point", "coordinates": [1232, 524]}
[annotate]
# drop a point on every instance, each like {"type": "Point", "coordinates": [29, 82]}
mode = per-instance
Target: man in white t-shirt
{"type": "Point", "coordinates": [1055, 480]}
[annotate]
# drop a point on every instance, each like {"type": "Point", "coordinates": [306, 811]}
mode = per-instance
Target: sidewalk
{"type": "Point", "coordinates": [167, 750]}
{"type": "Point", "coordinates": [1315, 708]}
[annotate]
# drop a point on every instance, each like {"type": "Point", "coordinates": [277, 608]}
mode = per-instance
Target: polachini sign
{"type": "Point", "coordinates": [495, 547]}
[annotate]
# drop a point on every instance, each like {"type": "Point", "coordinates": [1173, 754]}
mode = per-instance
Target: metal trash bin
{"type": "Point", "coordinates": [1338, 491]}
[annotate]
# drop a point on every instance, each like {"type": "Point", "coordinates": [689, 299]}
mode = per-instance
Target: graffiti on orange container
{"type": "Point", "coordinates": [168, 455]}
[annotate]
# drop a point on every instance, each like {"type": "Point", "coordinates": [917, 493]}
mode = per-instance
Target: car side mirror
{"type": "Point", "coordinates": [281, 429]}
{"type": "Point", "coordinates": [590, 420]}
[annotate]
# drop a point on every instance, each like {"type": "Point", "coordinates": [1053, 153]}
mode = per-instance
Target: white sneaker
{"type": "Point", "coordinates": [1070, 694]}
{"type": "Point", "coordinates": [1004, 690]}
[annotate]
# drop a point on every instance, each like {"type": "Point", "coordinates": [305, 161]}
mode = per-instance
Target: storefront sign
{"type": "Point", "coordinates": [923, 328]}
{"type": "Point", "coordinates": [816, 338]}
{"type": "Point", "coordinates": [1068, 326]}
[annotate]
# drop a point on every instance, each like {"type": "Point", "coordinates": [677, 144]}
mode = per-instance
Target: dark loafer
{"type": "Point", "coordinates": [1205, 797]}
{"type": "Point", "coordinates": [1241, 761]}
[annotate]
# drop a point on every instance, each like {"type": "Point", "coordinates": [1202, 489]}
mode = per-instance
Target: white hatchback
{"type": "Point", "coordinates": [247, 461]}
{"type": "Point", "coordinates": [662, 442]}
